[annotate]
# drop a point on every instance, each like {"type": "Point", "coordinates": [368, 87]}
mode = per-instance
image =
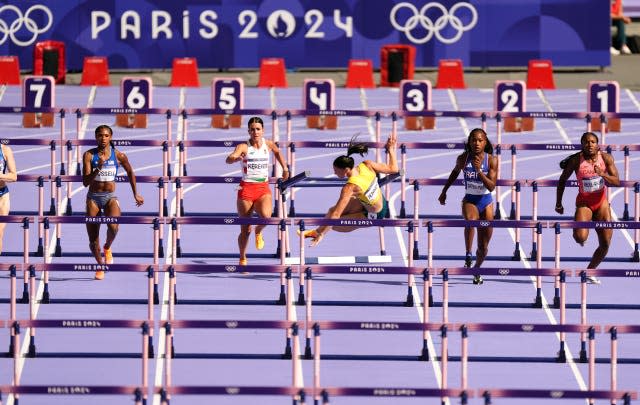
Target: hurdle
{"type": "Point", "coordinates": [357, 269]}
{"type": "Point", "coordinates": [488, 394]}
{"type": "Point", "coordinates": [614, 330]}
{"type": "Point", "coordinates": [140, 392]}
{"type": "Point", "coordinates": [154, 221]}
{"type": "Point", "coordinates": [292, 351]}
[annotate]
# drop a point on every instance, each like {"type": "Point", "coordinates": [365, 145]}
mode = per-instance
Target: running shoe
{"type": "Point", "coordinates": [242, 262]}
{"type": "Point", "coordinates": [108, 257]}
{"type": "Point", "coordinates": [593, 280]}
{"type": "Point", "coordinates": [259, 241]}
{"type": "Point", "coordinates": [467, 260]}
{"type": "Point", "coordinates": [477, 279]}
{"type": "Point", "coordinates": [99, 275]}
{"type": "Point", "coordinates": [311, 233]}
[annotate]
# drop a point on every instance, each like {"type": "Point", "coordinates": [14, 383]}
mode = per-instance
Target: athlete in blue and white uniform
{"type": "Point", "coordinates": [7, 174]}
{"type": "Point", "coordinates": [480, 174]}
{"type": "Point", "coordinates": [99, 170]}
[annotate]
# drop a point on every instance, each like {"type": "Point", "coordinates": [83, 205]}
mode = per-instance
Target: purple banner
{"type": "Point", "coordinates": [237, 34]}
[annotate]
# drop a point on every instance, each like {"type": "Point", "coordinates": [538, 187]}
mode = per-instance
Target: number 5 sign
{"type": "Point", "coordinates": [511, 96]}
{"type": "Point", "coordinates": [135, 94]}
{"type": "Point", "coordinates": [227, 94]}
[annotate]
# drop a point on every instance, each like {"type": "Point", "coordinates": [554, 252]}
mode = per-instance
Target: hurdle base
{"type": "Point", "coordinates": [307, 350]}
{"type": "Point", "coordinates": [562, 357]}
{"type": "Point", "coordinates": [556, 302]}
{"type": "Point", "coordinates": [131, 120]}
{"type": "Point", "coordinates": [287, 350]}
{"type": "Point", "coordinates": [409, 302]}
{"type": "Point", "coordinates": [32, 347]}
{"type": "Point", "coordinates": [150, 352]}
{"type": "Point", "coordinates": [537, 302]}
{"type": "Point", "coordinates": [322, 121]}
{"type": "Point", "coordinates": [301, 299]}
{"type": "Point", "coordinates": [419, 123]}
{"type": "Point", "coordinates": [636, 256]}
{"type": "Point", "coordinates": [25, 296]}
{"type": "Point", "coordinates": [583, 356]}
{"type": "Point", "coordinates": [424, 353]}
{"type": "Point", "coordinates": [156, 295]}
{"type": "Point", "coordinates": [46, 297]}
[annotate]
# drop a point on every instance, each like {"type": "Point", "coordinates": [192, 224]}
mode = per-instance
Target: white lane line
{"type": "Point", "coordinates": [556, 121]}
{"type": "Point", "coordinates": [435, 364]}
{"type": "Point", "coordinates": [456, 107]}
{"type": "Point", "coordinates": [633, 98]}
{"type": "Point", "coordinates": [24, 349]}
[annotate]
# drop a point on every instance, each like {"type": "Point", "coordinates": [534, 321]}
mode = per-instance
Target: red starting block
{"type": "Point", "coordinates": [272, 73]}
{"type": "Point", "coordinates": [540, 75]}
{"type": "Point", "coordinates": [9, 70]}
{"type": "Point", "coordinates": [360, 74]}
{"type": "Point", "coordinates": [95, 71]}
{"type": "Point", "coordinates": [184, 73]}
{"type": "Point", "coordinates": [450, 74]}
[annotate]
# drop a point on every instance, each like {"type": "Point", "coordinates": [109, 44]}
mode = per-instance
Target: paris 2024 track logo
{"type": "Point", "coordinates": [433, 19]}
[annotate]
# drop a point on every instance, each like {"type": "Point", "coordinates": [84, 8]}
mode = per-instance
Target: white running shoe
{"type": "Point", "coordinates": [624, 49]}
{"type": "Point", "coordinates": [593, 280]}
{"type": "Point", "coordinates": [614, 51]}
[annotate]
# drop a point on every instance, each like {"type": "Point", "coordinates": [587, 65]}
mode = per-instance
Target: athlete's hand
{"type": "Point", "coordinates": [443, 198]}
{"type": "Point", "coordinates": [559, 209]}
{"type": "Point", "coordinates": [392, 142]}
{"type": "Point", "coordinates": [139, 200]}
{"type": "Point", "coordinates": [597, 169]}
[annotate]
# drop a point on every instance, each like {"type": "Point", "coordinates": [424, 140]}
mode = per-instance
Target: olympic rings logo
{"type": "Point", "coordinates": [230, 269]}
{"type": "Point", "coordinates": [229, 220]}
{"type": "Point", "coordinates": [527, 328]}
{"type": "Point", "coordinates": [231, 324]}
{"type": "Point", "coordinates": [420, 17]}
{"type": "Point", "coordinates": [10, 30]}
{"type": "Point", "coordinates": [504, 272]}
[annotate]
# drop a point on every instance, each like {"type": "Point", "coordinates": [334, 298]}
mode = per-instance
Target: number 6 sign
{"type": "Point", "coordinates": [135, 94]}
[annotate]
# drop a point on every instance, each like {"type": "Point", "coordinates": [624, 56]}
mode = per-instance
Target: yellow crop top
{"type": "Point", "coordinates": [368, 182]}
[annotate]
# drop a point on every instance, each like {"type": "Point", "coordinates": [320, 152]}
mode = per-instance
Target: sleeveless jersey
{"type": "Point", "coordinates": [109, 168]}
{"type": "Point", "coordinates": [3, 162]}
{"type": "Point", "coordinates": [368, 182]}
{"type": "Point", "coordinates": [588, 180]}
{"type": "Point", "coordinates": [472, 182]}
{"type": "Point", "coordinates": [255, 165]}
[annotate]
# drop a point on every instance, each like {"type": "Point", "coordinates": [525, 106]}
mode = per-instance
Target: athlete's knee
{"type": "Point", "coordinates": [580, 235]}
{"type": "Point", "coordinates": [113, 228]}
{"type": "Point", "coordinates": [245, 230]}
{"type": "Point", "coordinates": [604, 244]}
{"type": "Point", "coordinates": [482, 250]}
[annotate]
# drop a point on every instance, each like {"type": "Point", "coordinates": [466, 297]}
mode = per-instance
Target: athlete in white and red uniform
{"type": "Point", "coordinates": [254, 193]}
{"type": "Point", "coordinates": [593, 170]}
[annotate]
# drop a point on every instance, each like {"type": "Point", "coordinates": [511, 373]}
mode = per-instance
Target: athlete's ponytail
{"type": "Point", "coordinates": [346, 161]}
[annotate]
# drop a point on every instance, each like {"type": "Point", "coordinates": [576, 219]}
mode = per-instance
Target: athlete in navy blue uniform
{"type": "Point", "coordinates": [7, 174]}
{"type": "Point", "coordinates": [99, 169]}
{"type": "Point", "coordinates": [480, 170]}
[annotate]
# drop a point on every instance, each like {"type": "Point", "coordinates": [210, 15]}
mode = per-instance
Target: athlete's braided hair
{"type": "Point", "coordinates": [488, 148]}
{"type": "Point", "coordinates": [346, 161]}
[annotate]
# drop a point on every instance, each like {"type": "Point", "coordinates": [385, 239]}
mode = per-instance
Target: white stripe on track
{"type": "Point", "coordinates": [633, 98]}
{"type": "Point", "coordinates": [24, 349]}
{"type": "Point", "coordinates": [556, 121]}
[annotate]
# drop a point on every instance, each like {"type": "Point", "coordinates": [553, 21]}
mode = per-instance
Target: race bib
{"type": "Point", "coordinates": [593, 184]}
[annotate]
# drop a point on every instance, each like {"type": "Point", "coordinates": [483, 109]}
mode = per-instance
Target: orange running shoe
{"type": "Point", "coordinates": [99, 275]}
{"type": "Point", "coordinates": [259, 241]}
{"type": "Point", "coordinates": [108, 257]}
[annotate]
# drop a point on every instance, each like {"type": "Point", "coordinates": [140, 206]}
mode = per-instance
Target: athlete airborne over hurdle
{"type": "Point", "coordinates": [99, 170]}
{"type": "Point", "coordinates": [254, 193]}
{"type": "Point", "coordinates": [480, 174]}
{"type": "Point", "coordinates": [361, 196]}
{"type": "Point", "coordinates": [593, 168]}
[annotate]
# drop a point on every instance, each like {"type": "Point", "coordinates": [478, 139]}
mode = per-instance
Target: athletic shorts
{"type": "Point", "coordinates": [4, 190]}
{"type": "Point", "coordinates": [101, 199]}
{"type": "Point", "coordinates": [591, 200]}
{"type": "Point", "coordinates": [253, 191]}
{"type": "Point", "coordinates": [481, 201]}
{"type": "Point", "coordinates": [382, 214]}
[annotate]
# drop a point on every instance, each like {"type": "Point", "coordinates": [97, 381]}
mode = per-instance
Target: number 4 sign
{"type": "Point", "coordinates": [135, 94]}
